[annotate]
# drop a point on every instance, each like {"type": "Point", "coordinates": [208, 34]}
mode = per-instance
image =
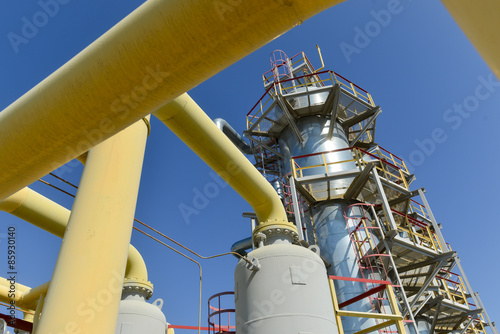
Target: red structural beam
{"type": "Point", "coordinates": [202, 328]}
{"type": "Point", "coordinates": [17, 323]}
{"type": "Point", "coordinates": [355, 279]}
{"type": "Point", "coordinates": [362, 296]}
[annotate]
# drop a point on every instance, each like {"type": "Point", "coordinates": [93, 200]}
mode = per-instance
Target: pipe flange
{"type": "Point", "coordinates": [144, 288]}
{"type": "Point", "coordinates": [277, 227]}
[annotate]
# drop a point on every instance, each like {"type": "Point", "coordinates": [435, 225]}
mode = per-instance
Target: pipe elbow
{"type": "Point", "coordinates": [136, 273]}
{"type": "Point", "coordinates": [234, 136]}
{"type": "Point", "coordinates": [242, 246]}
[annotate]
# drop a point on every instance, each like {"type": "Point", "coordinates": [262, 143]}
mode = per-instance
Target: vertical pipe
{"type": "Point", "coordinates": [86, 286]}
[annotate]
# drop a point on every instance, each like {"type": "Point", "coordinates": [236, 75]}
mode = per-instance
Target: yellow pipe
{"type": "Point", "coordinates": [44, 213]}
{"type": "Point", "coordinates": [188, 121]}
{"type": "Point", "coordinates": [479, 21]}
{"type": "Point", "coordinates": [38, 210]}
{"type": "Point", "coordinates": [321, 58]}
{"type": "Point", "coordinates": [29, 298]}
{"type": "Point", "coordinates": [5, 291]}
{"type": "Point", "coordinates": [159, 51]}
{"type": "Point", "coordinates": [86, 286]}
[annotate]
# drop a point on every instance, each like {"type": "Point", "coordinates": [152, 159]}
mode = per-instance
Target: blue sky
{"type": "Point", "coordinates": [439, 102]}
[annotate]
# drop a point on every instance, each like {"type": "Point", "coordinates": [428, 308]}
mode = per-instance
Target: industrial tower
{"type": "Point", "coordinates": [390, 269]}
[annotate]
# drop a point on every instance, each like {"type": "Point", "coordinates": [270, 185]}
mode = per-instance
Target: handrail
{"type": "Point", "coordinates": [399, 177]}
{"type": "Point", "coordinates": [351, 87]}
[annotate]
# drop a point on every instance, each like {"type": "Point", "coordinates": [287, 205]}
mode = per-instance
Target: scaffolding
{"type": "Point", "coordinates": [396, 236]}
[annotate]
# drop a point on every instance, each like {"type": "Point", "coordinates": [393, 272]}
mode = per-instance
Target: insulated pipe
{"type": "Point", "coordinates": [86, 286]}
{"type": "Point", "coordinates": [188, 121]}
{"type": "Point", "coordinates": [242, 246]}
{"type": "Point", "coordinates": [159, 51]}
{"type": "Point", "coordinates": [233, 135]}
{"type": "Point", "coordinates": [44, 213]}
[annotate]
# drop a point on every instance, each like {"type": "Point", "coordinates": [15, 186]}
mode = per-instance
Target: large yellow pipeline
{"type": "Point", "coordinates": [188, 121]}
{"type": "Point", "coordinates": [86, 286]}
{"type": "Point", "coordinates": [44, 213]}
{"type": "Point", "coordinates": [479, 21]}
{"type": "Point", "coordinates": [159, 51]}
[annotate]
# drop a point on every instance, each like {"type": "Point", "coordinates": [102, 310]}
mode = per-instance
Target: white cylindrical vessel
{"type": "Point", "coordinates": [288, 294]}
{"type": "Point", "coordinates": [136, 316]}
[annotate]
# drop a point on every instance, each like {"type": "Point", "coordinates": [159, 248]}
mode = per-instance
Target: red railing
{"type": "Point", "coordinates": [217, 315]}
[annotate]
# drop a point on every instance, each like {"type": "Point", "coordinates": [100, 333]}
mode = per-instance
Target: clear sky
{"type": "Point", "coordinates": [440, 110]}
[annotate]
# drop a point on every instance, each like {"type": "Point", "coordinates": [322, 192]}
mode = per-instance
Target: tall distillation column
{"type": "Point", "coordinates": [312, 136]}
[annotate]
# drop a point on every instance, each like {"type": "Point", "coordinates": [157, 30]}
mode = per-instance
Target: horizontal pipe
{"type": "Point", "coordinates": [190, 123]}
{"type": "Point", "coordinates": [159, 51]}
{"type": "Point", "coordinates": [29, 298]}
{"type": "Point", "coordinates": [44, 213]}
{"type": "Point", "coordinates": [5, 287]}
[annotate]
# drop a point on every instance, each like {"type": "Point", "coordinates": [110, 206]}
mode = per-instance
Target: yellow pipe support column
{"type": "Point", "coordinates": [188, 121]}
{"type": "Point", "coordinates": [86, 286]}
{"type": "Point", "coordinates": [159, 51]}
{"type": "Point", "coordinates": [44, 213]}
{"type": "Point", "coordinates": [479, 21]}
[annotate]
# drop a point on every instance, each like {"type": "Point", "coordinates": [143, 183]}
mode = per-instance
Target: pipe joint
{"type": "Point", "coordinates": [275, 231]}
{"type": "Point", "coordinates": [137, 286]}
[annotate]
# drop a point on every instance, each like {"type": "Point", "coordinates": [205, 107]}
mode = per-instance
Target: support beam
{"type": "Point", "coordinates": [435, 320]}
{"type": "Point", "coordinates": [359, 117]}
{"type": "Point", "coordinates": [467, 325]}
{"type": "Point", "coordinates": [464, 314]}
{"type": "Point", "coordinates": [387, 246]}
{"type": "Point", "coordinates": [383, 197]}
{"type": "Point", "coordinates": [93, 256]}
{"type": "Point", "coordinates": [417, 311]}
{"type": "Point", "coordinates": [433, 302]}
{"type": "Point", "coordinates": [358, 183]}
{"type": "Point", "coordinates": [428, 281]}
{"type": "Point", "coordinates": [437, 229]}
{"type": "Point", "coordinates": [367, 125]}
{"type": "Point", "coordinates": [444, 256]}
{"type": "Point", "coordinates": [289, 117]}
{"type": "Point", "coordinates": [327, 107]}
{"type": "Point", "coordinates": [334, 110]}
{"type": "Point", "coordinates": [296, 209]}
{"type": "Point", "coordinates": [403, 198]}
{"type": "Point", "coordinates": [480, 304]}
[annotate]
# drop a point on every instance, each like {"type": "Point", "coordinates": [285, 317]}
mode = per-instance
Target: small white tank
{"type": "Point", "coordinates": [288, 294]}
{"type": "Point", "coordinates": [136, 316]}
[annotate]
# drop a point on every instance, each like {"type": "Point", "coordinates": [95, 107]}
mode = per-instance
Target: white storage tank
{"type": "Point", "coordinates": [136, 316]}
{"type": "Point", "coordinates": [288, 294]}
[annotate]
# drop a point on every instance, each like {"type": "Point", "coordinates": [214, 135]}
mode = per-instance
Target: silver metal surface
{"type": "Point", "coordinates": [313, 130]}
{"type": "Point", "coordinates": [234, 136]}
{"type": "Point", "coordinates": [289, 294]}
{"type": "Point", "coordinates": [242, 246]}
{"type": "Point", "coordinates": [336, 247]}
